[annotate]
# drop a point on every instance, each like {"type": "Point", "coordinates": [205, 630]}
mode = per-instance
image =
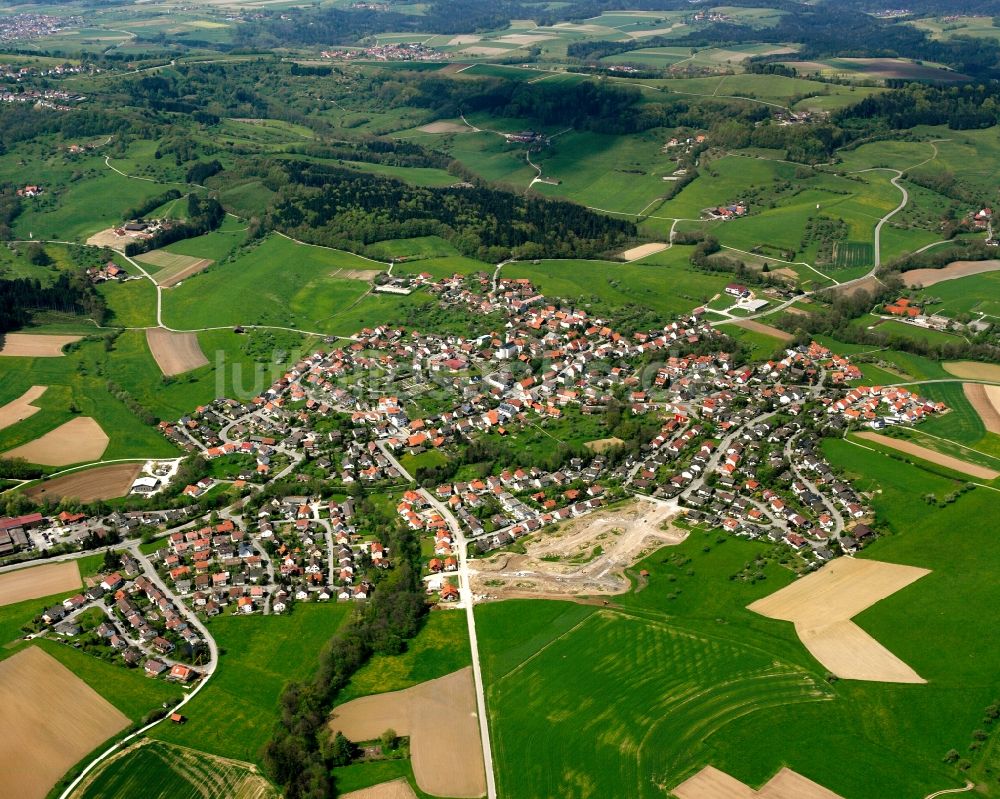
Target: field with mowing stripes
{"type": "Point", "coordinates": [616, 730]}
{"type": "Point", "coordinates": [853, 253]}
{"type": "Point", "coordinates": [155, 770]}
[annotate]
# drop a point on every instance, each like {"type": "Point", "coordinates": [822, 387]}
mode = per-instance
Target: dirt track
{"type": "Point", "coordinates": [439, 716]}
{"type": "Point", "coordinates": [397, 789]}
{"type": "Point", "coordinates": [587, 555]}
{"type": "Point", "coordinates": [175, 353]}
{"type": "Point", "coordinates": [822, 604]}
{"type": "Point", "coordinates": [78, 440]}
{"type": "Point", "coordinates": [986, 400]}
{"type": "Point", "coordinates": [20, 409]}
{"type": "Point", "coordinates": [710, 783]}
{"type": "Point", "coordinates": [39, 581]}
{"type": "Point", "coordinates": [104, 482]}
{"type": "Point", "coordinates": [34, 345]}
{"type": "Point", "coordinates": [956, 269]}
{"type": "Point", "coordinates": [51, 719]}
{"type": "Point", "coordinates": [932, 456]}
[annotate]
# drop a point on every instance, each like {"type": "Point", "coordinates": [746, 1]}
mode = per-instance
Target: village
{"type": "Point", "coordinates": [733, 446]}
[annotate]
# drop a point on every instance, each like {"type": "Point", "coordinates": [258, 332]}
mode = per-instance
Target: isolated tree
{"type": "Point", "coordinates": [341, 750]}
{"type": "Point", "coordinates": [388, 739]}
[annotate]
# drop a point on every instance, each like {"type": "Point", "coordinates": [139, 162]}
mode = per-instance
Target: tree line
{"type": "Point", "coordinates": [301, 750]}
{"type": "Point", "coordinates": [71, 294]}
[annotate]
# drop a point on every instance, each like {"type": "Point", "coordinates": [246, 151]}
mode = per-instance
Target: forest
{"type": "Point", "coordinates": [72, 294]}
{"type": "Point", "coordinates": [342, 208]}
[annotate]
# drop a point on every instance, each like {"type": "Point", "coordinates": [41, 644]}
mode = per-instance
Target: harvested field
{"type": "Point", "coordinates": [397, 789]}
{"type": "Point", "coordinates": [39, 581]}
{"type": "Point", "coordinates": [710, 783]}
{"type": "Point", "coordinates": [973, 370]}
{"type": "Point", "coordinates": [20, 409]}
{"type": "Point", "coordinates": [108, 238]}
{"type": "Point", "coordinates": [173, 267]}
{"type": "Point", "coordinates": [175, 353]}
{"type": "Point", "coordinates": [603, 444]}
{"type": "Point", "coordinates": [439, 716]}
{"type": "Point", "coordinates": [104, 482]}
{"type": "Point", "coordinates": [956, 269]}
{"type": "Point", "coordinates": [445, 127]}
{"type": "Point", "coordinates": [933, 456]}
{"type": "Point", "coordinates": [767, 330]}
{"type": "Point", "coordinates": [822, 604]}
{"type": "Point", "coordinates": [525, 38]}
{"type": "Point", "coordinates": [869, 284]}
{"type": "Point", "coordinates": [470, 38]}
{"type": "Point", "coordinates": [587, 555]}
{"type": "Point", "coordinates": [986, 400]}
{"type": "Point", "coordinates": [78, 440]}
{"type": "Point", "coordinates": [34, 345]}
{"type": "Point", "coordinates": [485, 51]}
{"type": "Point", "coordinates": [643, 250]}
{"type": "Point", "coordinates": [366, 275]}
{"type": "Point", "coordinates": [51, 719]}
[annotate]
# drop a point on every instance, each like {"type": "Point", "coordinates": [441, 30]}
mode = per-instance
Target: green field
{"type": "Point", "coordinates": [277, 282]}
{"type": "Point", "coordinates": [234, 714]}
{"type": "Point", "coordinates": [77, 381]}
{"type": "Point", "coordinates": [440, 648]}
{"type": "Point", "coordinates": [664, 282]}
{"type": "Point", "coordinates": [155, 770]}
{"type": "Point", "coordinates": [853, 254]}
{"type": "Point", "coordinates": [600, 699]}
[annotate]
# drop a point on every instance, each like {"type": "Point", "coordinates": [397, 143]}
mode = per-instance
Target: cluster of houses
{"type": "Point", "coordinates": [402, 51]}
{"type": "Point", "coordinates": [143, 626]}
{"type": "Point", "coordinates": [55, 99]}
{"type": "Point", "coordinates": [214, 567]}
{"type": "Point", "coordinates": [110, 271]}
{"type": "Point", "coordinates": [727, 212]}
{"type": "Point", "coordinates": [34, 26]}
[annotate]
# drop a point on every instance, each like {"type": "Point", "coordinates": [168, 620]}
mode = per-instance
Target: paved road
{"type": "Point", "coordinates": [467, 599]}
{"type": "Point", "coordinates": [465, 593]}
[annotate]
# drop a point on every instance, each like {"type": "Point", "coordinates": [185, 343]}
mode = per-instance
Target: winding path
{"type": "Point", "coordinates": [968, 787]}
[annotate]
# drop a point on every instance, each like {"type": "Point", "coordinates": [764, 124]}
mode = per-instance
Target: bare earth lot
{"type": "Point", "coordinates": [20, 409]}
{"type": "Point", "coordinates": [973, 370]}
{"type": "Point", "coordinates": [445, 127]}
{"type": "Point", "coordinates": [78, 440]}
{"type": "Point", "coordinates": [587, 555]}
{"type": "Point", "coordinates": [50, 718]}
{"type": "Point", "coordinates": [822, 604]}
{"type": "Point", "coordinates": [397, 789]}
{"type": "Point", "coordinates": [173, 267]}
{"type": "Point", "coordinates": [643, 250]}
{"type": "Point", "coordinates": [986, 400]}
{"type": "Point", "coordinates": [710, 783]}
{"type": "Point", "coordinates": [767, 330]}
{"type": "Point", "coordinates": [104, 482]}
{"type": "Point", "coordinates": [928, 277]}
{"type": "Point", "coordinates": [175, 353]}
{"type": "Point", "coordinates": [39, 581]}
{"type": "Point", "coordinates": [366, 275]}
{"type": "Point", "coordinates": [34, 345]}
{"type": "Point", "coordinates": [603, 444]}
{"type": "Point", "coordinates": [439, 716]}
{"type": "Point", "coordinates": [933, 456]}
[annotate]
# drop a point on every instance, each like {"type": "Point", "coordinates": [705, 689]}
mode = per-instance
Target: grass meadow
{"type": "Point", "coordinates": [277, 282]}
{"type": "Point", "coordinates": [234, 714]}
{"type": "Point", "coordinates": [628, 700]}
